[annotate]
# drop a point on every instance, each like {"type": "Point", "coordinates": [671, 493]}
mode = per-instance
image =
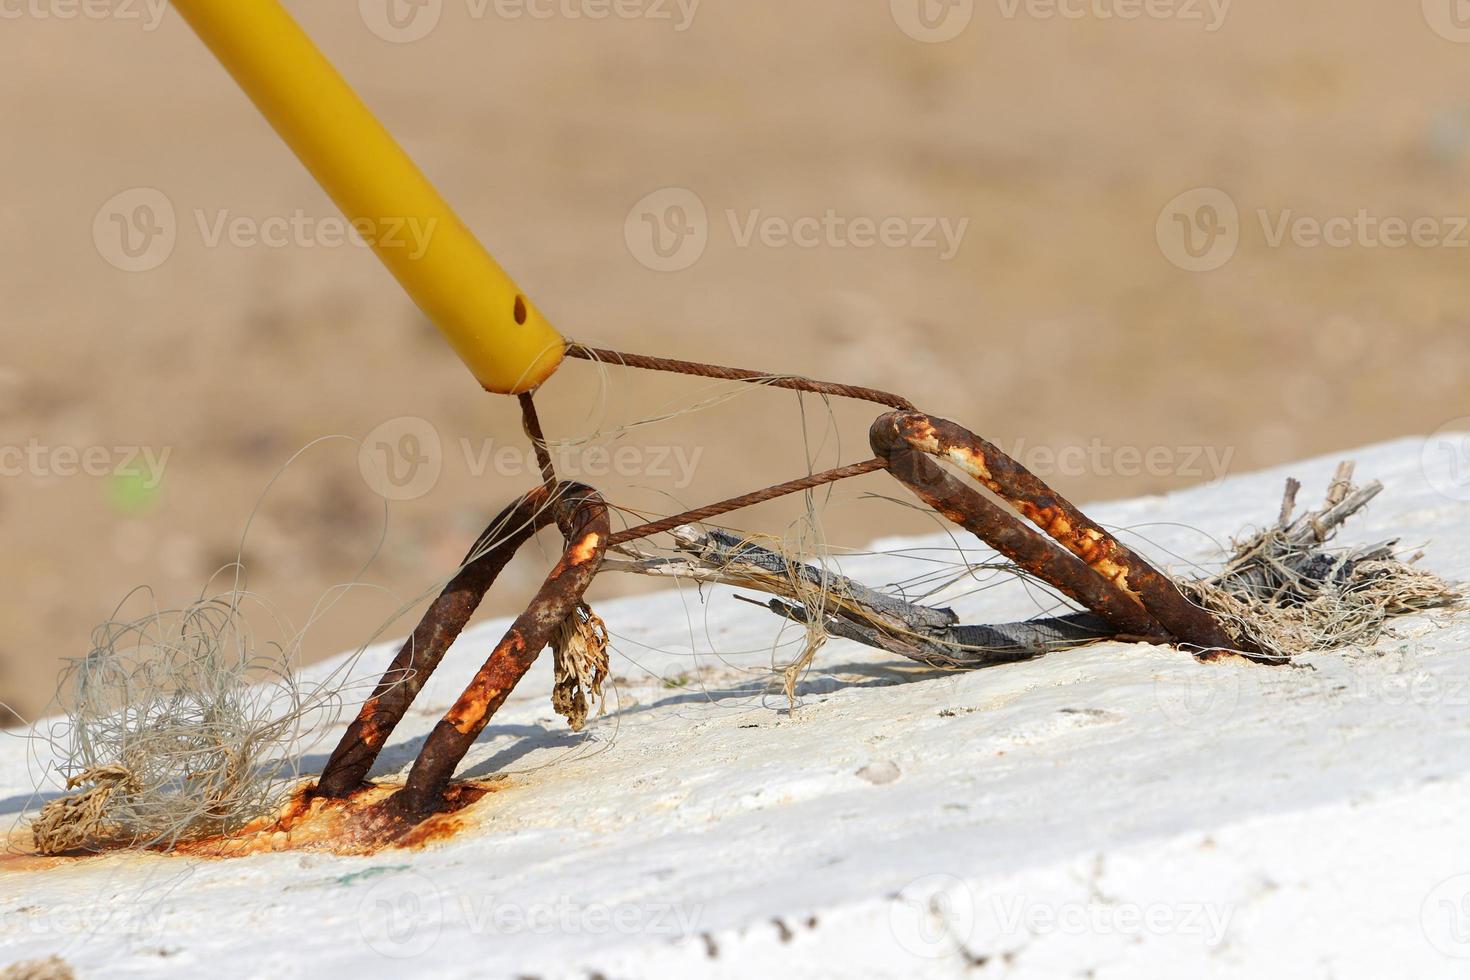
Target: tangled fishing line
{"type": "Point", "coordinates": [180, 725]}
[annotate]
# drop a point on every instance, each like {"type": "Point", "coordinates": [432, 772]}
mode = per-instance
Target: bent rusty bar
{"type": "Point", "coordinates": [441, 625]}
{"type": "Point", "coordinates": [1010, 536]}
{"type": "Point", "coordinates": [1128, 574]}
{"type": "Point", "coordinates": [583, 518]}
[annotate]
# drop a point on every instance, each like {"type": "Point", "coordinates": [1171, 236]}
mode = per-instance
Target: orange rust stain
{"type": "Point", "coordinates": [975, 465]}
{"type": "Point", "coordinates": [471, 707]}
{"type": "Point", "coordinates": [1044, 518]}
{"type": "Point", "coordinates": [23, 862]}
{"type": "Point", "coordinates": [1118, 574]}
{"type": "Point", "coordinates": [1218, 656]}
{"type": "Point", "coordinates": [357, 825]}
{"type": "Point", "coordinates": [923, 437]}
{"type": "Point", "coordinates": [585, 550]}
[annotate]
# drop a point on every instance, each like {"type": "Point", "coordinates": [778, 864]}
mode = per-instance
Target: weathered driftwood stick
{"type": "Point", "coordinates": [724, 550]}
{"type": "Point", "coordinates": [853, 611]}
{"type": "Point", "coordinates": [965, 646]}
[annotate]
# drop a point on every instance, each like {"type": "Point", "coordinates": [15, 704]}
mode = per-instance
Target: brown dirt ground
{"type": "Point", "coordinates": [1059, 321]}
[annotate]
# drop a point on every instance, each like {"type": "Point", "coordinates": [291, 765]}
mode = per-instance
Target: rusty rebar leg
{"type": "Point", "coordinates": [583, 518]}
{"type": "Point", "coordinates": [421, 654]}
{"type": "Point", "coordinates": [1130, 583]}
{"type": "Point", "coordinates": [1011, 536]}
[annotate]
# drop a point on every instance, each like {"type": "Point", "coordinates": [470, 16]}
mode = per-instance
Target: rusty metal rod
{"type": "Point", "coordinates": [747, 500]}
{"type": "Point", "coordinates": [531, 422]}
{"type": "Point", "coordinates": [671, 366]}
{"type": "Point", "coordinates": [422, 652]}
{"type": "Point", "coordinates": [1011, 536]}
{"type": "Point", "coordinates": [1128, 574]}
{"type": "Point", "coordinates": [583, 518]}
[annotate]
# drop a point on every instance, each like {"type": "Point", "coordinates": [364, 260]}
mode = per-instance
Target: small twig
{"type": "Point", "coordinates": [1288, 501]}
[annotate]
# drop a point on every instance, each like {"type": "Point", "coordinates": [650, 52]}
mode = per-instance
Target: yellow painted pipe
{"type": "Point", "coordinates": [487, 319]}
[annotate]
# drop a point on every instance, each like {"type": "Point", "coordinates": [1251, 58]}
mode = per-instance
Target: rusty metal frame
{"type": "Point", "coordinates": [1060, 545]}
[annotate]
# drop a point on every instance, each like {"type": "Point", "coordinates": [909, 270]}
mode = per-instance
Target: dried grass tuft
{"type": "Point", "coordinates": [580, 662]}
{"type": "Point", "coordinates": [1287, 592]}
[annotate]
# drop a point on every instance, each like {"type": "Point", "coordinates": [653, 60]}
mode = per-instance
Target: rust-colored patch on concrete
{"type": "Point", "coordinates": [359, 824]}
{"type": "Point", "coordinates": [15, 860]}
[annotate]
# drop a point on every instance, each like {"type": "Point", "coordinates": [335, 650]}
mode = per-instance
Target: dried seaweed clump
{"type": "Point", "coordinates": [1286, 591]}
{"type": "Point", "coordinates": [179, 727]}
{"type": "Point", "coordinates": [580, 664]}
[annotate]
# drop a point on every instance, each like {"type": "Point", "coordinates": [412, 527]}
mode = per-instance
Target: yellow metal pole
{"type": "Point", "coordinates": [454, 280]}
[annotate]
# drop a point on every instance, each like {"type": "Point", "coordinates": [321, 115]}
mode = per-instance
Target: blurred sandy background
{"type": "Point", "coordinates": [1061, 320]}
